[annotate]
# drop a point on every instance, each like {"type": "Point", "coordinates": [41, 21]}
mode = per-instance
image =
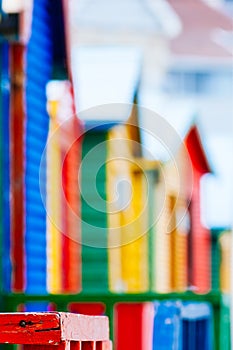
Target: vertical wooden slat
{"type": "Point", "coordinates": [53, 204]}
{"type": "Point", "coordinates": [6, 262]}
{"type": "Point", "coordinates": [71, 154]}
{"type": "Point", "coordinates": [75, 345]}
{"type": "Point", "coordinates": [39, 57]}
{"type": "Point", "coordinates": [17, 125]}
{"type": "Point", "coordinates": [200, 235]}
{"type": "Point", "coordinates": [225, 265]}
{"type": "Point", "coordinates": [135, 240]}
{"type": "Point", "coordinates": [104, 345]}
{"type": "Point", "coordinates": [115, 168]}
{"type": "Point", "coordinates": [162, 252]}
{"type": "Point", "coordinates": [88, 345]}
{"type": "Point", "coordinates": [63, 197]}
{"type": "Point", "coordinates": [128, 215]}
{"type": "Point", "coordinates": [93, 212]}
{"type": "Point", "coordinates": [129, 326]}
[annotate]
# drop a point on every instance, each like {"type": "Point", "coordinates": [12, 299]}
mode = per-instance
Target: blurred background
{"type": "Point", "coordinates": [186, 57]}
{"type": "Point", "coordinates": [70, 71]}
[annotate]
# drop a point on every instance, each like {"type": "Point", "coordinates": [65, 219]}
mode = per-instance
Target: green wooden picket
{"type": "Point", "coordinates": [94, 213]}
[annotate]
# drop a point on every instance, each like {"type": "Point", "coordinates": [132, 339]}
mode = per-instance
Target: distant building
{"type": "Point", "coordinates": [201, 62]}
{"type": "Point", "coordinates": [145, 24]}
{"type": "Point", "coordinates": [200, 70]}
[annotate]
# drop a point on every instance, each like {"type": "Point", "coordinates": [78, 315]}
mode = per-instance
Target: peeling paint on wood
{"type": "Point", "coordinates": [30, 328]}
{"type": "Point", "coordinates": [82, 327]}
{"type": "Point", "coordinates": [66, 330]}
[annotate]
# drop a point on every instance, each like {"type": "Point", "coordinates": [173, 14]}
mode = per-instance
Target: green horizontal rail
{"type": "Point", "coordinates": [9, 302]}
{"type": "Point", "coordinates": [18, 298]}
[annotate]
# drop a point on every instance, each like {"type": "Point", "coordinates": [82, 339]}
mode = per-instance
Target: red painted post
{"type": "Point", "coordinates": [17, 166]}
{"type": "Point", "coordinates": [44, 330]}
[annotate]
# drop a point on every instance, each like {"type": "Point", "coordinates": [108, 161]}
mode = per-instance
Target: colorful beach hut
{"type": "Point", "coordinates": [181, 242]}
{"type": "Point", "coordinates": [199, 237]}
{"type": "Point", "coordinates": [47, 45]}
{"type": "Point", "coordinates": [111, 130]}
{"type": "Point", "coordinates": [63, 153]}
{"type": "Point", "coordinates": [38, 54]}
{"type": "Point", "coordinates": [131, 181]}
{"type": "Point", "coordinates": [12, 126]}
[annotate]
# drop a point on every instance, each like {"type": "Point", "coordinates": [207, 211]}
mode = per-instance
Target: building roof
{"type": "Point", "coordinates": [118, 15]}
{"type": "Point", "coordinates": [130, 16]}
{"type": "Point", "coordinates": [105, 82]}
{"type": "Point", "coordinates": [206, 30]}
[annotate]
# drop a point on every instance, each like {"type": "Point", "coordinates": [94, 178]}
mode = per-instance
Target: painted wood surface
{"type": "Point", "coordinates": [94, 212]}
{"type": "Point", "coordinates": [225, 265]}
{"type": "Point", "coordinates": [53, 203]}
{"type": "Point", "coordinates": [171, 228]}
{"type": "Point", "coordinates": [52, 328]}
{"type": "Point", "coordinates": [200, 277]}
{"type": "Point", "coordinates": [71, 139]}
{"type": "Point", "coordinates": [133, 324]}
{"type": "Point", "coordinates": [6, 262]}
{"type": "Point", "coordinates": [63, 191]}
{"type": "Point", "coordinates": [119, 186]}
{"type": "Point", "coordinates": [200, 243]}
{"type": "Point", "coordinates": [128, 214]}
{"type": "Point", "coordinates": [39, 49]}
{"type": "Point", "coordinates": [30, 328]}
{"type": "Point", "coordinates": [134, 238]}
{"type": "Point", "coordinates": [179, 246]}
{"type": "Point", "coordinates": [162, 243]}
{"type": "Point", "coordinates": [17, 152]}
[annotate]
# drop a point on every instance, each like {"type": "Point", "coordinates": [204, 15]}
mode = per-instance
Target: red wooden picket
{"type": "Point", "coordinates": [40, 331]}
{"type": "Point", "coordinates": [17, 165]}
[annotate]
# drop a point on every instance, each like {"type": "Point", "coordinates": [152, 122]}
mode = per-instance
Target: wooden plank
{"type": "Point", "coordinates": [17, 130]}
{"type": "Point", "coordinates": [51, 328]}
{"type": "Point", "coordinates": [85, 328]}
{"type": "Point", "coordinates": [30, 328]}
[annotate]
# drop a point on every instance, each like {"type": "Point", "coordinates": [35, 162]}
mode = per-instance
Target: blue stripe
{"type": "Point", "coordinates": [167, 329]}
{"type": "Point", "coordinates": [5, 93]}
{"type": "Point", "coordinates": [197, 326]}
{"type": "Point", "coordinates": [39, 68]}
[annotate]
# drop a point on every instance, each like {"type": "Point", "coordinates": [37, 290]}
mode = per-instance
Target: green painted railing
{"type": "Point", "coordinates": [10, 302]}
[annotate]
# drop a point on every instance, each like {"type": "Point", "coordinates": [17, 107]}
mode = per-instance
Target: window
{"type": "Point", "coordinates": [188, 82]}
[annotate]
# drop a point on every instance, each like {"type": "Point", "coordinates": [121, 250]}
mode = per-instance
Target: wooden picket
{"type": "Point", "coordinates": [39, 331]}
